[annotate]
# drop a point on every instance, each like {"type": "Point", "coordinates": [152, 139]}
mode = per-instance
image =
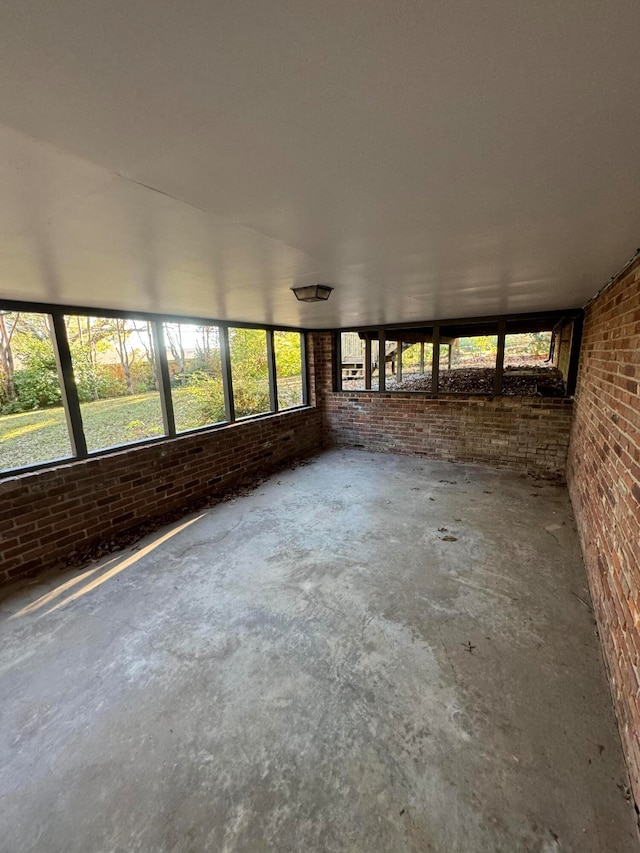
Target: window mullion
{"type": "Point", "coordinates": [164, 380]}
{"type": "Point", "coordinates": [273, 379]}
{"type": "Point", "coordinates": [227, 381]}
{"type": "Point", "coordinates": [68, 387]}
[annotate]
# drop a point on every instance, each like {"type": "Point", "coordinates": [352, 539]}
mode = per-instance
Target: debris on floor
{"type": "Point", "coordinates": [91, 552]}
{"type": "Point", "coordinates": [517, 381]}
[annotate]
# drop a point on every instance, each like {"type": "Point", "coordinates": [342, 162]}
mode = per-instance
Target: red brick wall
{"type": "Point", "coordinates": [47, 514]}
{"type": "Point", "coordinates": [604, 483]}
{"type": "Point", "coordinates": [522, 433]}
{"type": "Point", "coordinates": [319, 349]}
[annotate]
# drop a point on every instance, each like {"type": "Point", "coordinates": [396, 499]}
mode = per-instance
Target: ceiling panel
{"type": "Point", "coordinates": [427, 159]}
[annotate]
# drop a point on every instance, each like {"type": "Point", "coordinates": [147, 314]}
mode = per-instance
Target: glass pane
{"type": "Point", "coordinates": [33, 426]}
{"type": "Point", "coordinates": [352, 352]}
{"type": "Point", "coordinates": [527, 350]}
{"type": "Point", "coordinates": [249, 371]}
{"type": "Point", "coordinates": [412, 365]}
{"type": "Point", "coordinates": [468, 364]}
{"type": "Point", "coordinates": [195, 368]}
{"type": "Point", "coordinates": [409, 361]}
{"type": "Point", "coordinates": [354, 355]}
{"type": "Point", "coordinates": [392, 371]}
{"type": "Point", "coordinates": [288, 352]}
{"type": "Point", "coordinates": [375, 365]}
{"type": "Point", "coordinates": [114, 364]}
{"type": "Point", "coordinates": [527, 368]}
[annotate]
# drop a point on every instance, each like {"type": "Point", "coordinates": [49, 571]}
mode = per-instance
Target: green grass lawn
{"type": "Point", "coordinates": [33, 437]}
{"type": "Point", "coordinates": [41, 435]}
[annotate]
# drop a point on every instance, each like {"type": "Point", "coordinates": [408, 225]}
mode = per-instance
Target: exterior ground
{"type": "Point", "coordinates": [41, 435]}
{"type": "Point", "coordinates": [369, 653]}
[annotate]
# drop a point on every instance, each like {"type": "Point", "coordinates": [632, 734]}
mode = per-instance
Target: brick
{"type": "Point", "coordinates": [603, 477]}
{"type": "Point", "coordinates": [56, 510]}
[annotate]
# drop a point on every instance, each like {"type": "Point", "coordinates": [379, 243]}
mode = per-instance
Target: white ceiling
{"type": "Point", "coordinates": [429, 159]}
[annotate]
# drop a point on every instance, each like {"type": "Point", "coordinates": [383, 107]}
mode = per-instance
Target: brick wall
{"type": "Point", "coordinates": [47, 514]}
{"type": "Point", "coordinates": [604, 482]}
{"type": "Point", "coordinates": [522, 433]}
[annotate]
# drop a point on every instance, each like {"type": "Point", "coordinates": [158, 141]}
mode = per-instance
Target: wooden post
{"type": "Point", "coordinates": [421, 356]}
{"type": "Point", "coordinates": [399, 368]}
{"type": "Point", "coordinates": [449, 359]}
{"type": "Point", "coordinates": [382, 360]}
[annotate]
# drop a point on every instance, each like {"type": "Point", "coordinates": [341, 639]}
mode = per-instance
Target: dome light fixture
{"type": "Point", "coordinates": [312, 293]}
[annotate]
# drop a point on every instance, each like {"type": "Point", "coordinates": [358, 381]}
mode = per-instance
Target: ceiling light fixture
{"type": "Point", "coordinates": [312, 293]}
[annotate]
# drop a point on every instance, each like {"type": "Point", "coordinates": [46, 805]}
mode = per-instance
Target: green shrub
{"type": "Point", "coordinates": [36, 389]}
{"type": "Point", "coordinates": [250, 396]}
{"type": "Point", "coordinates": [36, 382]}
{"type": "Point", "coordinates": [110, 382]}
{"type": "Point", "coordinates": [14, 408]}
{"type": "Point", "coordinates": [209, 396]}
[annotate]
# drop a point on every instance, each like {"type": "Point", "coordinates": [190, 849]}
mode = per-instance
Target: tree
{"type": "Point", "coordinates": [118, 338]}
{"type": "Point", "coordinates": [36, 380]}
{"type": "Point", "coordinates": [27, 362]}
{"type": "Point", "coordinates": [248, 353]}
{"type": "Point", "coordinates": [288, 354]}
{"type": "Point", "coordinates": [173, 336]}
{"type": "Point", "coordinates": [8, 324]}
{"type": "Point", "coordinates": [86, 335]}
{"type": "Point", "coordinates": [249, 370]}
{"type": "Point", "coordinates": [145, 336]}
{"type": "Point", "coordinates": [207, 349]}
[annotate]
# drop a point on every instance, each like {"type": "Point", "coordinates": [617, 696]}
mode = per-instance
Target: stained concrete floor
{"type": "Point", "coordinates": [316, 666]}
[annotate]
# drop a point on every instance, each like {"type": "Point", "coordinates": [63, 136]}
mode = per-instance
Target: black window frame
{"type": "Point", "coordinates": [501, 326]}
{"type": "Point", "coordinates": [70, 401]}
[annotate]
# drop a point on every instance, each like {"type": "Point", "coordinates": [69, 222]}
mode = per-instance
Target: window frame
{"type": "Point", "coordinates": [70, 400]}
{"type": "Point", "coordinates": [273, 367]}
{"type": "Point", "coordinates": [553, 319]}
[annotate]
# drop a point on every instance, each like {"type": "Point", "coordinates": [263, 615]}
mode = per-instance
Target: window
{"type": "Point", "coordinates": [530, 349]}
{"type": "Point", "coordinates": [195, 369]}
{"type": "Point", "coordinates": [540, 356]}
{"type": "Point", "coordinates": [377, 364]}
{"type": "Point", "coordinates": [33, 426]}
{"type": "Point", "coordinates": [352, 350]}
{"type": "Point", "coordinates": [249, 371]}
{"type": "Point", "coordinates": [527, 367]}
{"type": "Point", "coordinates": [72, 384]}
{"type": "Point", "coordinates": [415, 359]}
{"type": "Point", "coordinates": [409, 359]}
{"type": "Point", "coordinates": [468, 362]}
{"type": "Point", "coordinates": [115, 370]}
{"type": "Point", "coordinates": [360, 353]}
{"type": "Point", "coordinates": [287, 347]}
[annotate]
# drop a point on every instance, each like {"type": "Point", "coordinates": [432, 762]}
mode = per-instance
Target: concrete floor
{"type": "Point", "coordinates": [314, 667]}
